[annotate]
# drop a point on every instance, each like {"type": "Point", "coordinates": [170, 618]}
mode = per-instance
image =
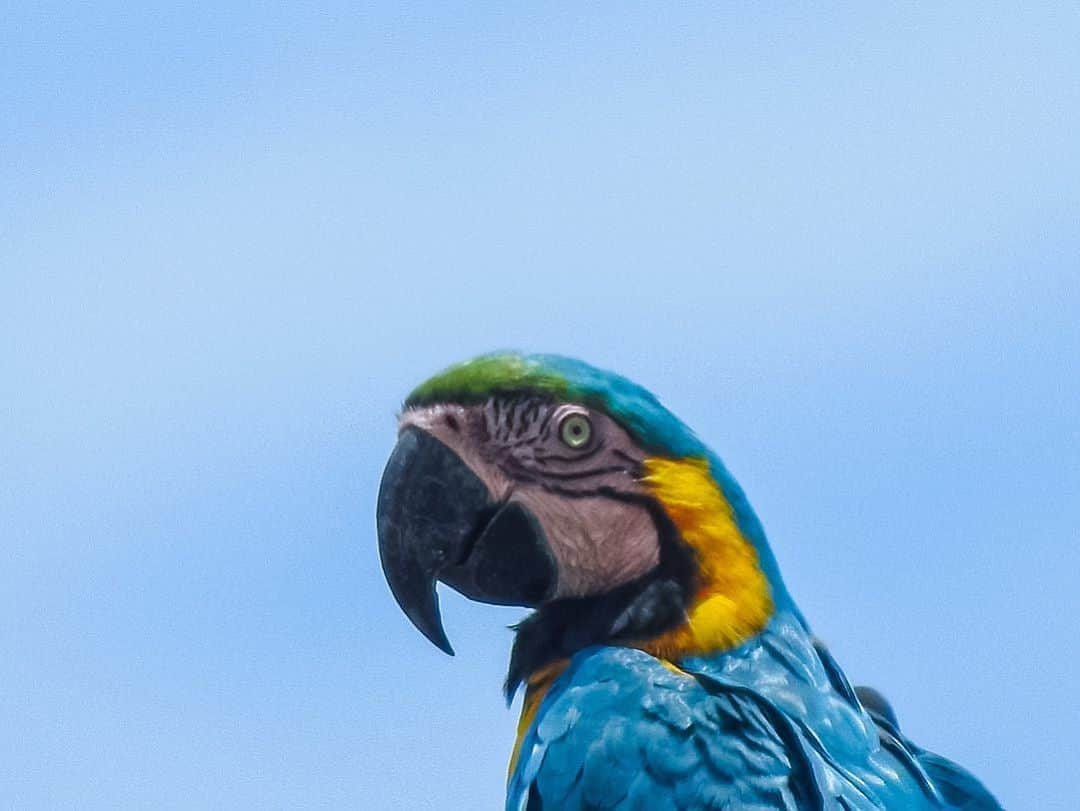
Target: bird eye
{"type": "Point", "coordinates": [575, 431]}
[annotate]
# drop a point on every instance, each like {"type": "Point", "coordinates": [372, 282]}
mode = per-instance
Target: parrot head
{"type": "Point", "coordinates": [541, 481]}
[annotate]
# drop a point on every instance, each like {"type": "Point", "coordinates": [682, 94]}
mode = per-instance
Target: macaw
{"type": "Point", "coordinates": [665, 664]}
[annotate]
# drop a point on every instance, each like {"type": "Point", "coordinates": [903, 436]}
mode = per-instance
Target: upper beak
{"type": "Point", "coordinates": [438, 521]}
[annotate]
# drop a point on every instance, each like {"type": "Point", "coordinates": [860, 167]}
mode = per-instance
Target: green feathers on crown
{"type": "Point", "coordinates": [566, 379]}
{"type": "Point", "coordinates": [475, 380]}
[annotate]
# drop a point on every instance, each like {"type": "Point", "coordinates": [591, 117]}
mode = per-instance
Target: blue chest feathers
{"type": "Point", "coordinates": [770, 725]}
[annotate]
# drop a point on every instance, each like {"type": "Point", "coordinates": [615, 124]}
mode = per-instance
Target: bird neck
{"type": "Point", "coordinates": [716, 586]}
{"type": "Point", "coordinates": [733, 598]}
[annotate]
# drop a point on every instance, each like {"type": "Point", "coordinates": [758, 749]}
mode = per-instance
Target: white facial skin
{"type": "Point", "coordinates": [575, 469]}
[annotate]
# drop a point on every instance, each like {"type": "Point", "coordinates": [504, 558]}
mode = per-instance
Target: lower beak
{"type": "Point", "coordinates": [438, 521]}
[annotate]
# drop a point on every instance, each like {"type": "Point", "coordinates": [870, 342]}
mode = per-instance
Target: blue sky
{"type": "Point", "coordinates": [841, 242]}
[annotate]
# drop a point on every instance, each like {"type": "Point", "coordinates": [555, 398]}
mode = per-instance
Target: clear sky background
{"type": "Point", "coordinates": [842, 242]}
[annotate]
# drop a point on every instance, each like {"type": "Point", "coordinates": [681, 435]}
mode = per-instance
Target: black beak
{"type": "Point", "coordinates": [437, 521]}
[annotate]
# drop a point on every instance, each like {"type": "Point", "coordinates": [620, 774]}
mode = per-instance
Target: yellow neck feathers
{"type": "Point", "coordinates": [733, 601]}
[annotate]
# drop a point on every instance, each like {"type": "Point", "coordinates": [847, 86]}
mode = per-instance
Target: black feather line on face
{"type": "Point", "coordinates": [546, 423]}
{"type": "Point", "coordinates": [544, 457]}
{"type": "Point", "coordinates": [585, 474]}
{"type": "Point", "coordinates": [625, 457]}
{"type": "Point", "coordinates": [645, 607]}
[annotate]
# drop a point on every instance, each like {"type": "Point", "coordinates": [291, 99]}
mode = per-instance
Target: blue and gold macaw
{"type": "Point", "coordinates": [665, 664]}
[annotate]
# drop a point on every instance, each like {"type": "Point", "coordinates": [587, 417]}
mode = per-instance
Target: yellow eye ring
{"type": "Point", "coordinates": [575, 431]}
